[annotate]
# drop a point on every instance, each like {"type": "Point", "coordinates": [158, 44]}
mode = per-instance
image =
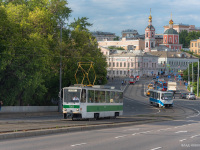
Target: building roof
{"type": "Point", "coordinates": [164, 54]}
{"type": "Point", "coordinates": [150, 27]}
{"type": "Point", "coordinates": [136, 53]}
{"type": "Point", "coordinates": [170, 31]}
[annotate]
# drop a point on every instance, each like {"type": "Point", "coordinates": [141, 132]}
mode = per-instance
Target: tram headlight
{"type": "Point", "coordinates": [77, 109]}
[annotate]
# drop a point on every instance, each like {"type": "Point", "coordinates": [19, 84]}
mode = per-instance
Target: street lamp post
{"type": "Point", "coordinates": [60, 89]}
{"type": "Point", "coordinates": [198, 80]}
{"type": "Point", "coordinates": [188, 74]}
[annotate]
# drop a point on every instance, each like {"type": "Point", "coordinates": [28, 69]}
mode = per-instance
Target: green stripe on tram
{"type": "Point", "coordinates": [71, 106]}
{"type": "Point", "coordinates": [104, 108]}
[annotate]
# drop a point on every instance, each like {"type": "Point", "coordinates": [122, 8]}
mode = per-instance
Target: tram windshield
{"type": "Point", "coordinates": [167, 96]}
{"type": "Point", "coordinates": [72, 95]}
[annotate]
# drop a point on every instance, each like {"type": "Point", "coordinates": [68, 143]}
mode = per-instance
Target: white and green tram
{"type": "Point", "coordinates": [92, 102]}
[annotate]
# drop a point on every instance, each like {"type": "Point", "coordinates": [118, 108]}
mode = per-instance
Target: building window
{"type": "Point", "coordinates": [165, 39]}
{"type": "Point", "coordinates": [113, 64]}
{"type": "Point", "coordinates": [109, 64]}
{"type": "Point", "coordinates": [199, 44]}
{"type": "Point", "coordinates": [146, 44]}
{"type": "Point", "coordinates": [138, 64]}
{"type": "Point", "coordinates": [147, 34]}
{"type": "Point", "coordinates": [152, 34]}
{"type": "Point", "coordinates": [131, 64]}
{"type": "Point", "coordinates": [117, 64]}
{"type": "Point", "coordinates": [192, 44]}
{"type": "Point", "coordinates": [195, 44]}
{"type": "Point", "coordinates": [120, 64]}
{"type": "Point", "coordinates": [124, 64]}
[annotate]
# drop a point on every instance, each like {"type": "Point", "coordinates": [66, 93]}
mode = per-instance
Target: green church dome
{"type": "Point", "coordinates": [170, 31]}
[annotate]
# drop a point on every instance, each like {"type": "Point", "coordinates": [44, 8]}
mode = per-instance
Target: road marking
{"type": "Point", "coordinates": [142, 132]}
{"type": "Point", "coordinates": [181, 132]}
{"type": "Point", "coordinates": [78, 144]}
{"type": "Point", "coordinates": [182, 140]}
{"type": "Point", "coordinates": [194, 136]}
{"type": "Point", "coordinates": [164, 129]}
{"type": "Point", "coordinates": [131, 129]}
{"type": "Point", "coordinates": [120, 136]}
{"type": "Point", "coordinates": [156, 148]}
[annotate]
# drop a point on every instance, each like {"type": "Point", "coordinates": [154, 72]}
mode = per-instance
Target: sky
{"type": "Point", "coordinates": [117, 15]}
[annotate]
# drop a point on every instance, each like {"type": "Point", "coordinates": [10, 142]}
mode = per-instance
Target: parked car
{"type": "Point", "coordinates": [183, 95]}
{"type": "Point", "coordinates": [191, 96]}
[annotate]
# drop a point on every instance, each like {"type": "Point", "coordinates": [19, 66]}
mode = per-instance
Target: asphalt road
{"type": "Point", "coordinates": [182, 133]}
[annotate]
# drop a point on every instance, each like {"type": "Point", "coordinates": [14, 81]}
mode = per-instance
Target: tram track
{"type": "Point", "coordinates": [176, 112]}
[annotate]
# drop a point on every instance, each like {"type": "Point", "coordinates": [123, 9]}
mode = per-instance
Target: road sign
{"type": "Point", "coordinates": [179, 76]}
{"type": "Point", "coordinates": [157, 77]}
{"type": "Point", "coordinates": [169, 76]}
{"type": "Point", "coordinates": [186, 84]}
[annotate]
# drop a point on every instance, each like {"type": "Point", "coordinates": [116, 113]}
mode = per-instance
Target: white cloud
{"type": "Point", "coordinates": [117, 15]}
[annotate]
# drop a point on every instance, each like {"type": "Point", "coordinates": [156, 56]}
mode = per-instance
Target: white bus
{"type": "Point", "coordinates": [161, 98]}
{"type": "Point", "coordinates": [92, 102]}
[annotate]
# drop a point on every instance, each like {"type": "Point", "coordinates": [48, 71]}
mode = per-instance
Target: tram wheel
{"type": "Point", "coordinates": [96, 116]}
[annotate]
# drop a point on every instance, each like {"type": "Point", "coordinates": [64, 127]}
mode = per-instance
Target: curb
{"type": "Point", "coordinates": [38, 132]}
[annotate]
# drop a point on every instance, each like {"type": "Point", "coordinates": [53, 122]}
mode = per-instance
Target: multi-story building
{"type": "Point", "coordinates": [173, 62]}
{"type": "Point", "coordinates": [132, 63]}
{"type": "Point", "coordinates": [195, 46]}
{"type": "Point", "coordinates": [124, 43]}
{"type": "Point", "coordinates": [104, 36]}
{"type": "Point", "coordinates": [130, 34]}
{"type": "Point", "coordinates": [180, 27]}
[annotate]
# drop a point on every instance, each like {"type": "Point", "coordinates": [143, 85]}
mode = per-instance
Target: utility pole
{"type": "Point", "coordinates": [192, 77]}
{"type": "Point", "coordinates": [188, 74]}
{"type": "Point", "coordinates": [60, 90]}
{"type": "Point", "coordinates": [198, 80]}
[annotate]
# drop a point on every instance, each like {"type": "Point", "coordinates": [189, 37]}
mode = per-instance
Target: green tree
{"type": "Point", "coordinates": [29, 50]}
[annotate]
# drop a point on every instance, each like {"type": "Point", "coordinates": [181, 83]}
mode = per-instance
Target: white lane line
{"type": "Point", "coordinates": [181, 132]}
{"type": "Point", "coordinates": [142, 132]}
{"type": "Point", "coordinates": [182, 126]}
{"type": "Point", "coordinates": [156, 148]}
{"type": "Point", "coordinates": [131, 129]}
{"type": "Point", "coordinates": [182, 140]}
{"type": "Point", "coordinates": [164, 129]}
{"type": "Point", "coordinates": [194, 136]}
{"type": "Point", "coordinates": [117, 137]}
{"type": "Point", "coordinates": [78, 144]}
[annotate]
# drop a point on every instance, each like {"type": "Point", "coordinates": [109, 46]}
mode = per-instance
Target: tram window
{"type": "Point", "coordinates": [112, 97]}
{"type": "Point", "coordinates": [102, 97]}
{"type": "Point", "coordinates": [116, 97]}
{"type": "Point", "coordinates": [120, 97]}
{"type": "Point", "coordinates": [97, 96]}
{"type": "Point", "coordinates": [151, 94]}
{"type": "Point", "coordinates": [158, 95]}
{"type": "Point", "coordinates": [90, 96]}
{"type": "Point", "coordinates": [107, 96]}
{"type": "Point", "coordinates": [83, 96]}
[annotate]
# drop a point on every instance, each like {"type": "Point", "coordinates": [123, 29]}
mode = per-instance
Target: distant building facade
{"type": "Point", "coordinates": [104, 36]}
{"type": "Point", "coordinates": [130, 34]}
{"type": "Point", "coordinates": [181, 27]}
{"type": "Point", "coordinates": [134, 63]}
{"type": "Point", "coordinates": [195, 46]}
{"type": "Point", "coordinates": [173, 62]}
{"type": "Point", "coordinates": [124, 43]}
